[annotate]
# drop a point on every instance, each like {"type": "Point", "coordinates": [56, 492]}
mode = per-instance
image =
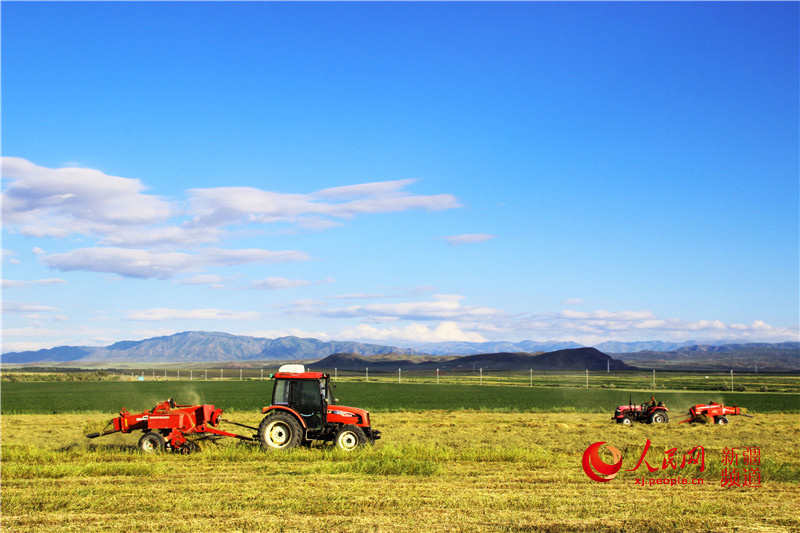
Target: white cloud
{"type": "Point", "coordinates": [273, 283]}
{"type": "Point", "coordinates": [46, 202]}
{"type": "Point", "coordinates": [202, 279]}
{"type": "Point", "coordinates": [227, 205]}
{"type": "Point", "coordinates": [469, 238]}
{"type": "Point", "coordinates": [443, 307]}
{"type": "Point", "coordinates": [445, 332]}
{"type": "Point", "coordinates": [10, 283]}
{"type": "Point", "coordinates": [574, 301]}
{"type": "Point", "coordinates": [598, 326]}
{"type": "Point", "coordinates": [164, 314]}
{"type": "Point", "coordinates": [9, 256]}
{"type": "Point", "coordinates": [289, 332]}
{"type": "Point", "coordinates": [19, 307]}
{"type": "Point", "coordinates": [161, 265]}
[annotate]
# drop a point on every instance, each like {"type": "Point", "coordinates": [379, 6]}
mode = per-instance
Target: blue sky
{"type": "Point", "coordinates": [400, 172]}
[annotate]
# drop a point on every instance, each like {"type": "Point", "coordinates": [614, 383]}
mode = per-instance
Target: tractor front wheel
{"type": "Point", "coordinates": [152, 442]}
{"type": "Point", "coordinates": [626, 421]}
{"type": "Point", "coordinates": [349, 438]}
{"type": "Point", "coordinates": [280, 431]}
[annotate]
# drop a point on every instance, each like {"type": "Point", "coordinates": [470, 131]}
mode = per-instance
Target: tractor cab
{"type": "Point", "coordinates": [306, 393]}
{"type": "Point", "coordinates": [303, 410]}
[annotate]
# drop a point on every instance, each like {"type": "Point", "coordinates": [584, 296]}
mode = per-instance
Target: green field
{"type": "Point", "coordinates": [251, 396]}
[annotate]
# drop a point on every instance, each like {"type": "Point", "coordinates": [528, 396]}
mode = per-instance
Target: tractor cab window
{"type": "Point", "coordinates": [281, 394]}
{"type": "Point", "coordinates": [306, 400]}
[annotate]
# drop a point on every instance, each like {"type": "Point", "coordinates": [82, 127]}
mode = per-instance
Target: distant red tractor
{"type": "Point", "coordinates": [303, 410]}
{"type": "Point", "coordinates": [704, 413]}
{"type": "Point", "coordinates": [647, 413]}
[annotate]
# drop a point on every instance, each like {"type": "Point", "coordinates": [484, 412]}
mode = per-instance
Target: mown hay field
{"type": "Point", "coordinates": [438, 470]}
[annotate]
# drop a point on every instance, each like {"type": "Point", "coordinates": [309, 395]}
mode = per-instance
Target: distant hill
{"type": "Point", "coordinates": [779, 357]}
{"type": "Point", "coordinates": [572, 359]}
{"type": "Point", "coordinates": [197, 346]}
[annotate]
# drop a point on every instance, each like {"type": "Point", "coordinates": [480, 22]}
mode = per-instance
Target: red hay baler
{"type": "Point", "coordinates": [167, 425]}
{"type": "Point", "coordinates": [704, 413]}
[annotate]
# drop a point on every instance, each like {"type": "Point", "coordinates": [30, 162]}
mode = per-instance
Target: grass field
{"type": "Point", "coordinates": [250, 396]}
{"type": "Point", "coordinates": [432, 471]}
{"type": "Point", "coordinates": [453, 457]}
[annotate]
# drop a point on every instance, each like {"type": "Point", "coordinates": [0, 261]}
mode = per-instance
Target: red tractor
{"type": "Point", "coordinates": [303, 410]}
{"type": "Point", "coordinates": [704, 413]}
{"type": "Point", "coordinates": [649, 413]}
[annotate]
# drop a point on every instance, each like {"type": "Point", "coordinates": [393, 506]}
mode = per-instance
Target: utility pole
{"type": "Point", "coordinates": [731, 380]}
{"type": "Point", "coordinates": [399, 373]}
{"type": "Point", "coordinates": [531, 377]}
{"type": "Point", "coordinates": [481, 371]}
{"type": "Point", "coordinates": [587, 378]}
{"type": "Point", "coordinates": [437, 376]}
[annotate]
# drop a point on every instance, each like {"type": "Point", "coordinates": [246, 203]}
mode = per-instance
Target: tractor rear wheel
{"type": "Point", "coordinates": [720, 420]}
{"type": "Point", "coordinates": [659, 417]}
{"type": "Point", "coordinates": [152, 442]}
{"type": "Point", "coordinates": [349, 438]}
{"type": "Point", "coordinates": [280, 431]}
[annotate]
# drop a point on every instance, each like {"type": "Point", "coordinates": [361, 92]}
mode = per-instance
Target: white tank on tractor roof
{"type": "Point", "coordinates": [292, 369]}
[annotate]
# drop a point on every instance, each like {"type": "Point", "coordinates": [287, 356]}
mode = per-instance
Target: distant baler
{"type": "Point", "coordinates": [712, 411]}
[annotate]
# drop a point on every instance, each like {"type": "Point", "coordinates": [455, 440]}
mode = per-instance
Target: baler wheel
{"type": "Point", "coordinates": [188, 447]}
{"type": "Point", "coordinates": [349, 438]}
{"type": "Point", "coordinates": [280, 431]}
{"type": "Point", "coordinates": [721, 420]}
{"type": "Point", "coordinates": [152, 442]}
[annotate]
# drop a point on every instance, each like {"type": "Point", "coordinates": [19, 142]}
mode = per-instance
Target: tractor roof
{"type": "Point", "coordinates": [299, 375]}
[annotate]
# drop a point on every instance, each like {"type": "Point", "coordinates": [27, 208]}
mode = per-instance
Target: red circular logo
{"type": "Point", "coordinates": [595, 468]}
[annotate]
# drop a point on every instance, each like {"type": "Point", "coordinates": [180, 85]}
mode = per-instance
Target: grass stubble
{"type": "Point", "coordinates": [432, 471]}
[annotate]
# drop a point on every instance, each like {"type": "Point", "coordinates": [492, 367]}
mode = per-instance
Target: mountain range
{"type": "Point", "coordinates": [197, 346]}
{"type": "Point", "coordinates": [765, 357]}
{"type": "Point", "coordinates": [202, 346]}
